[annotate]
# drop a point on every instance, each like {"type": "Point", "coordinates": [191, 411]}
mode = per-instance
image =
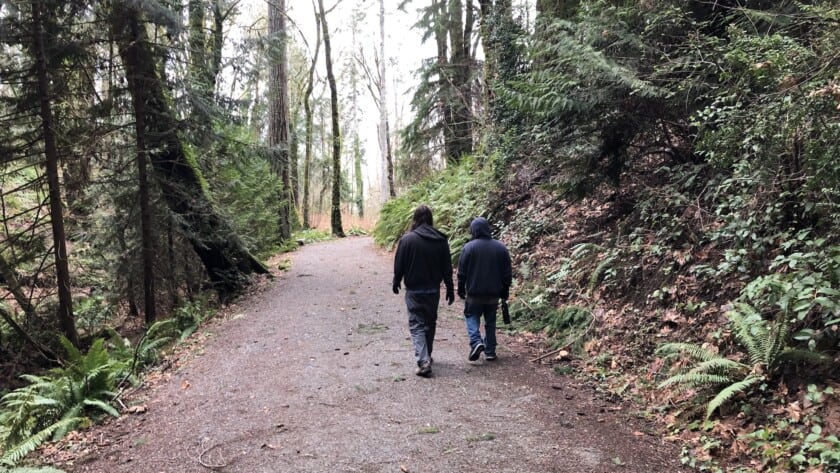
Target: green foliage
{"type": "Point", "coordinates": [456, 195]}
{"type": "Point", "coordinates": [246, 188]}
{"type": "Point", "coordinates": [785, 443]}
{"type": "Point", "coordinates": [148, 349]}
{"type": "Point", "coordinates": [51, 405]}
{"type": "Point", "coordinates": [767, 351]}
{"type": "Point", "coordinates": [189, 316]}
{"type": "Point", "coordinates": [312, 235]}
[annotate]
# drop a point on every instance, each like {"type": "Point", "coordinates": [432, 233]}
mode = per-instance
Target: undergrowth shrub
{"type": "Point", "coordinates": [456, 195]}
{"type": "Point", "coordinates": [53, 404]}
{"type": "Point", "coordinates": [85, 387]}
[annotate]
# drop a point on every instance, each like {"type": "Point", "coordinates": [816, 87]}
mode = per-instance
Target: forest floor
{"type": "Point", "coordinates": [316, 373]}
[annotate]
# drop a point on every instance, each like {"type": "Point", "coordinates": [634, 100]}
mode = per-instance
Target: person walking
{"type": "Point", "coordinates": [484, 277]}
{"type": "Point", "coordinates": [423, 260]}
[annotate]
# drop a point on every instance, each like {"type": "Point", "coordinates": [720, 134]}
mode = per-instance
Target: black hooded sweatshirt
{"type": "Point", "coordinates": [484, 268]}
{"type": "Point", "coordinates": [423, 260]}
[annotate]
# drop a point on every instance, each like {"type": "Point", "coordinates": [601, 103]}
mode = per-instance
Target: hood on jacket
{"type": "Point", "coordinates": [428, 232]}
{"type": "Point", "coordinates": [480, 228]}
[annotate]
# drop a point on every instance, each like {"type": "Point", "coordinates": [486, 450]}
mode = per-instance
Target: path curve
{"type": "Point", "coordinates": [316, 374]}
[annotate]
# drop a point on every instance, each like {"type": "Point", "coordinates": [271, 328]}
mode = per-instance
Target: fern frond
{"type": "Point", "coordinates": [730, 391]}
{"type": "Point", "coordinates": [599, 271]}
{"type": "Point", "coordinates": [794, 356]}
{"type": "Point", "coordinates": [695, 380]}
{"type": "Point", "coordinates": [777, 341]}
{"type": "Point", "coordinates": [16, 453]}
{"type": "Point", "coordinates": [102, 406]}
{"type": "Point", "coordinates": [719, 365]}
{"type": "Point", "coordinates": [750, 330]}
{"type": "Point", "coordinates": [73, 412]}
{"type": "Point", "coordinates": [689, 350]}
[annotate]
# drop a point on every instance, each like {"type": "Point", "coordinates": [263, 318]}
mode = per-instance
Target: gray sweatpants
{"type": "Point", "coordinates": [422, 322]}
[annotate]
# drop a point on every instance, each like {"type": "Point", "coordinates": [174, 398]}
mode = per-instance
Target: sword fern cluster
{"type": "Point", "coordinates": [765, 343]}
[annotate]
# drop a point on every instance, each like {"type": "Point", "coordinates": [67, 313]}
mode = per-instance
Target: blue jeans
{"type": "Point", "coordinates": [472, 314]}
{"type": "Point", "coordinates": [422, 322]}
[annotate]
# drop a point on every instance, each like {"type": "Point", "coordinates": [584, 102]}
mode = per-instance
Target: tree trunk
{"type": "Point", "coordinates": [386, 181]}
{"type": "Point", "coordinates": [445, 81]}
{"type": "Point", "coordinates": [307, 107]}
{"type": "Point", "coordinates": [221, 251]}
{"type": "Point", "coordinates": [460, 73]}
{"type": "Point", "coordinates": [389, 157]}
{"type": "Point", "coordinates": [335, 214]}
{"type": "Point", "coordinates": [215, 64]}
{"type": "Point", "coordinates": [278, 128]}
{"type": "Point", "coordinates": [359, 180]}
{"type": "Point", "coordinates": [145, 218]}
{"type": "Point", "coordinates": [294, 177]}
{"type": "Point", "coordinates": [66, 321]}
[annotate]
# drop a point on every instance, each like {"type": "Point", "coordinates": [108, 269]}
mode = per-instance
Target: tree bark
{"type": "Point", "coordinates": [359, 180]}
{"type": "Point", "coordinates": [146, 235]}
{"type": "Point", "coordinates": [460, 73]}
{"type": "Point", "coordinates": [386, 182]}
{"type": "Point", "coordinates": [221, 251]}
{"type": "Point", "coordinates": [66, 321]}
{"type": "Point", "coordinates": [307, 107]}
{"type": "Point", "coordinates": [389, 157]}
{"type": "Point", "coordinates": [278, 128]}
{"type": "Point", "coordinates": [445, 92]}
{"type": "Point", "coordinates": [335, 214]}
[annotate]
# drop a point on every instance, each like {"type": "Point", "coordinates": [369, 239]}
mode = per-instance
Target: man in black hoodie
{"type": "Point", "coordinates": [484, 277]}
{"type": "Point", "coordinates": [423, 261]}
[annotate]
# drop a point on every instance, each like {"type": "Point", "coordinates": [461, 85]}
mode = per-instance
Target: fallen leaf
{"type": "Point", "coordinates": [185, 384]}
{"type": "Point", "coordinates": [137, 409]}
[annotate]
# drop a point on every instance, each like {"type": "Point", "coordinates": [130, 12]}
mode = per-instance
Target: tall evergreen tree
{"type": "Point", "coordinates": [443, 102]}
{"type": "Point", "coordinates": [278, 132]}
{"type": "Point", "coordinates": [41, 21]}
{"type": "Point", "coordinates": [223, 254]}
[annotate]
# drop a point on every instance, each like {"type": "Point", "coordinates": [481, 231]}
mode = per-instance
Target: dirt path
{"type": "Point", "coordinates": [317, 375]}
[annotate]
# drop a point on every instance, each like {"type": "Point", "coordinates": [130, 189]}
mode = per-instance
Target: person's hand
{"type": "Point", "coordinates": [505, 293]}
{"type": "Point", "coordinates": [450, 296]}
{"type": "Point", "coordinates": [396, 288]}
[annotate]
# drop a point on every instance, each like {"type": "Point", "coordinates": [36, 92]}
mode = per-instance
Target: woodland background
{"type": "Point", "coordinates": [664, 172]}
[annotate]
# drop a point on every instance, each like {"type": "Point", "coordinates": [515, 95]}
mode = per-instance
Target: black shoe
{"type": "Point", "coordinates": [425, 369]}
{"type": "Point", "coordinates": [490, 356]}
{"type": "Point", "coordinates": [475, 352]}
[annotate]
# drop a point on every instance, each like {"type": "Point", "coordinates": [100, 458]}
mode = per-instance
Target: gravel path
{"type": "Point", "coordinates": [316, 374]}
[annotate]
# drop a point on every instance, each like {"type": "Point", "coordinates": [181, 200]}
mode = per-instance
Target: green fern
{"type": "Point", "coordinates": [695, 380]}
{"type": "Point", "coordinates": [50, 405]}
{"type": "Point", "coordinates": [16, 453]}
{"type": "Point", "coordinates": [731, 391]}
{"type": "Point", "coordinates": [689, 350]}
{"type": "Point", "coordinates": [766, 343]}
